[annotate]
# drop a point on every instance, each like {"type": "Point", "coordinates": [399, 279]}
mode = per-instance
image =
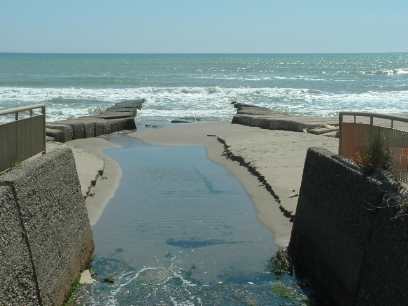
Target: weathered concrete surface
{"type": "Point", "coordinates": [67, 132]}
{"type": "Point", "coordinates": [117, 115]}
{"type": "Point", "coordinates": [265, 118]}
{"type": "Point", "coordinates": [54, 217]}
{"type": "Point", "coordinates": [121, 124]}
{"type": "Point", "coordinates": [345, 240]}
{"type": "Point", "coordinates": [56, 134]}
{"type": "Point", "coordinates": [17, 281]}
{"type": "Point", "coordinates": [116, 118]}
{"type": "Point", "coordinates": [384, 276]}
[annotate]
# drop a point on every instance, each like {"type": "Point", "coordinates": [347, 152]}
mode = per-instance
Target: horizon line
{"type": "Point", "coordinates": [197, 53]}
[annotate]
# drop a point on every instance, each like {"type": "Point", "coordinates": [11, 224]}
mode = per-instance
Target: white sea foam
{"type": "Point", "coordinates": [299, 77]}
{"type": "Point", "coordinates": [387, 72]}
{"type": "Point", "coordinates": [402, 71]}
{"type": "Point", "coordinates": [202, 101]}
{"type": "Point", "coordinates": [163, 276]}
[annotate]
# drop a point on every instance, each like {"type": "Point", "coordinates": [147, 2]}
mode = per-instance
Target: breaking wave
{"type": "Point", "coordinates": [214, 102]}
{"type": "Point", "coordinates": [388, 72]}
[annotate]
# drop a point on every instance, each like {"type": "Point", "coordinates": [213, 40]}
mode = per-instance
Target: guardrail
{"type": "Point", "coordinates": [23, 136]}
{"type": "Point", "coordinates": [357, 133]}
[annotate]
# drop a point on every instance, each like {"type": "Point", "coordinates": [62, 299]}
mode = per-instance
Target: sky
{"type": "Point", "coordinates": [206, 26]}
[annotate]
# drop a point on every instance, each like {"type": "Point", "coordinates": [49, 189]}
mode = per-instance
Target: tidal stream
{"type": "Point", "coordinates": [181, 230]}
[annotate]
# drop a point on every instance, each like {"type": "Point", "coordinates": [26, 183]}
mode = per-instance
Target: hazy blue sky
{"type": "Point", "coordinates": [203, 26]}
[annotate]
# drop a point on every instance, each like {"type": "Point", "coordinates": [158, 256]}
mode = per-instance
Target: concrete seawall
{"type": "Point", "coordinates": [346, 240]}
{"type": "Point", "coordinates": [45, 236]}
{"type": "Point", "coordinates": [265, 118]}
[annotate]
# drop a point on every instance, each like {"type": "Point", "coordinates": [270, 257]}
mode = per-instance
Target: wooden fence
{"type": "Point", "coordinates": [22, 135]}
{"type": "Point", "coordinates": [358, 129]}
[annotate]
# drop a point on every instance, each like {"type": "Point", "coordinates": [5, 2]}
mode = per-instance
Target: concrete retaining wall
{"type": "Point", "coordinates": [17, 281]}
{"type": "Point", "coordinates": [48, 239]}
{"type": "Point", "coordinates": [351, 247]}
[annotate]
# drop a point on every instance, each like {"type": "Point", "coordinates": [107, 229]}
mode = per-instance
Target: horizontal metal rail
{"type": "Point", "coordinates": [22, 137]}
{"type": "Point", "coordinates": [22, 109]}
{"type": "Point", "coordinates": [392, 118]}
{"type": "Point", "coordinates": [355, 139]}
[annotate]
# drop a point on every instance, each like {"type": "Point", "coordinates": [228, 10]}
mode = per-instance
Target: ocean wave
{"type": "Point", "coordinates": [387, 72]}
{"type": "Point", "coordinates": [299, 77]}
{"type": "Point", "coordinates": [258, 78]}
{"type": "Point", "coordinates": [214, 102]}
{"type": "Point", "coordinates": [233, 78]}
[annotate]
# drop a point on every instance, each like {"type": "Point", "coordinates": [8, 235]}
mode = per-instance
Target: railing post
{"type": "Point", "coordinates": [16, 157]}
{"type": "Point", "coordinates": [44, 130]}
{"type": "Point", "coordinates": [340, 131]}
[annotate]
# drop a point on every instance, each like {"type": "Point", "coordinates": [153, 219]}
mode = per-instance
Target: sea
{"type": "Point", "coordinates": [203, 86]}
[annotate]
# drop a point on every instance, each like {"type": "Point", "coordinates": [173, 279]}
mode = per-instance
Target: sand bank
{"type": "Point", "coordinates": [88, 157]}
{"type": "Point", "coordinates": [276, 155]}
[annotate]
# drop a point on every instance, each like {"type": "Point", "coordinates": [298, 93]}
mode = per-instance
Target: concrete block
{"type": "Point", "coordinates": [124, 109]}
{"type": "Point", "coordinates": [122, 124]}
{"type": "Point", "coordinates": [271, 123]}
{"type": "Point", "coordinates": [78, 128]}
{"type": "Point", "coordinates": [67, 130]}
{"type": "Point", "coordinates": [17, 281]}
{"type": "Point", "coordinates": [57, 135]}
{"type": "Point", "coordinates": [101, 126]}
{"type": "Point", "coordinates": [55, 218]}
{"type": "Point", "coordinates": [116, 115]}
{"type": "Point", "coordinates": [89, 127]}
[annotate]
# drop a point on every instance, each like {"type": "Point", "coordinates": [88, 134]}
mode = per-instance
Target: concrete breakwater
{"type": "Point", "coordinates": [349, 237]}
{"type": "Point", "coordinates": [116, 118]}
{"type": "Point", "coordinates": [45, 235]}
{"type": "Point", "coordinates": [266, 118]}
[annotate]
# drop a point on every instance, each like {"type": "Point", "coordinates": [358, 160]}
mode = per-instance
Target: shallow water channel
{"type": "Point", "coordinates": [181, 230]}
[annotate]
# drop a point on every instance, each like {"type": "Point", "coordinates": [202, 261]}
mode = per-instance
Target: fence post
{"type": "Point", "coordinates": [340, 131]}
{"type": "Point", "coordinates": [44, 130]}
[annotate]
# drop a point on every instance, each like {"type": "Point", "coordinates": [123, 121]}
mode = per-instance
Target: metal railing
{"type": "Point", "coordinates": [357, 133]}
{"type": "Point", "coordinates": [22, 136]}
